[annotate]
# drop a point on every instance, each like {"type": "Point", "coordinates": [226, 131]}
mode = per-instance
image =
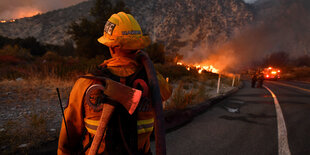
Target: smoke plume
{"type": "Point", "coordinates": [24, 8]}
{"type": "Point", "coordinates": [279, 25]}
{"type": "Point", "coordinates": [250, 1]}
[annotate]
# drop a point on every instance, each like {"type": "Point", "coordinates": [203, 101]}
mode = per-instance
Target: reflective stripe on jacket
{"type": "Point", "coordinates": [91, 125]}
{"type": "Point", "coordinates": [145, 126]}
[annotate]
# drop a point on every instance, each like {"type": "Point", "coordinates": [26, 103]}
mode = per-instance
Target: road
{"type": "Point", "coordinates": [248, 122]}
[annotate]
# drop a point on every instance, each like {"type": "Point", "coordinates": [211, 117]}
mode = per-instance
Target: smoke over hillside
{"type": "Point", "coordinates": [250, 1]}
{"type": "Point", "coordinates": [24, 8]}
{"type": "Point", "coordinates": [280, 25]}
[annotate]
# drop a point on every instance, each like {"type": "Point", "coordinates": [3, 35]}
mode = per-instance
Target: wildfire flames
{"type": "Point", "coordinates": [200, 68]}
{"type": "Point", "coordinates": [7, 21]}
{"type": "Point", "coordinates": [21, 13]}
{"type": "Point", "coordinates": [28, 13]}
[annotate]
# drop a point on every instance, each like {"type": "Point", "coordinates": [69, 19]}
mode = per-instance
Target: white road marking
{"type": "Point", "coordinates": [237, 101]}
{"type": "Point", "coordinates": [292, 86]}
{"type": "Point", "coordinates": [283, 147]}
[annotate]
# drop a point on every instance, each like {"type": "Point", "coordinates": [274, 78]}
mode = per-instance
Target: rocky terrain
{"type": "Point", "coordinates": [49, 27]}
{"type": "Point", "coordinates": [188, 23]}
{"type": "Point", "coordinates": [175, 23]}
{"type": "Point", "coordinates": [30, 112]}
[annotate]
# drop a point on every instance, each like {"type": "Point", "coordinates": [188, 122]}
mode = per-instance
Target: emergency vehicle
{"type": "Point", "coordinates": [271, 73]}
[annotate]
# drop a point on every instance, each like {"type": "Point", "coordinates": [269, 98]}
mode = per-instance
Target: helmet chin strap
{"type": "Point", "coordinates": [112, 51]}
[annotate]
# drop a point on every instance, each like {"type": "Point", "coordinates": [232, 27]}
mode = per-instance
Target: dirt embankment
{"type": "Point", "coordinates": [30, 112]}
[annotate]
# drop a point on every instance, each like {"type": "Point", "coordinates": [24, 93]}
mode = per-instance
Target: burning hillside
{"type": "Point", "coordinates": [27, 8]}
{"type": "Point", "coordinates": [199, 68]}
{"type": "Point", "coordinates": [19, 13]}
{"type": "Point", "coordinates": [7, 21]}
{"type": "Point", "coordinates": [280, 25]}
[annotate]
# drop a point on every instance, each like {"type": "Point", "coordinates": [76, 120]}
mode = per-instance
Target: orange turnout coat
{"type": "Point", "coordinates": [125, 133]}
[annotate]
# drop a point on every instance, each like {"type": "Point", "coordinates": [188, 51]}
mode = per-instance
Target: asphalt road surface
{"type": "Point", "coordinates": [251, 121]}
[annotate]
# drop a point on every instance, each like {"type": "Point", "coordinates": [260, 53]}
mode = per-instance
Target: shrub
{"type": "Point", "coordinates": [200, 94]}
{"type": "Point", "coordinates": [212, 83]}
{"type": "Point", "coordinates": [297, 73]}
{"type": "Point", "coordinates": [226, 80]}
{"type": "Point", "coordinates": [180, 98]}
{"type": "Point", "coordinates": [33, 45]}
{"type": "Point", "coordinates": [15, 50]}
{"type": "Point", "coordinates": [302, 61]}
{"type": "Point", "coordinates": [51, 56]}
{"type": "Point", "coordinates": [175, 72]}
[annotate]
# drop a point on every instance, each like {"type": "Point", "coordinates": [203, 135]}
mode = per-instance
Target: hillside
{"type": "Point", "coordinates": [49, 27]}
{"type": "Point", "coordinates": [175, 23]}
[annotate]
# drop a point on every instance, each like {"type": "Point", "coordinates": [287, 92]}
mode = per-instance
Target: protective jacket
{"type": "Point", "coordinates": [125, 134]}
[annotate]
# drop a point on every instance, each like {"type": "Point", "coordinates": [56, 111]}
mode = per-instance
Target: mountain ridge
{"type": "Point", "coordinates": [174, 23]}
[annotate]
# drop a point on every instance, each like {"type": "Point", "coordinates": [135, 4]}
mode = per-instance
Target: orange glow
{"type": "Point", "coordinates": [7, 21]}
{"type": "Point", "coordinates": [200, 68]}
{"type": "Point", "coordinates": [179, 63]}
{"type": "Point", "coordinates": [269, 67]}
{"type": "Point", "coordinates": [279, 71]}
{"type": "Point", "coordinates": [21, 12]}
{"type": "Point", "coordinates": [28, 13]}
{"type": "Point", "coordinates": [273, 72]}
{"type": "Point", "coordinates": [267, 76]}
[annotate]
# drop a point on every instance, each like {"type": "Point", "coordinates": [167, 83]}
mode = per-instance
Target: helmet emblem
{"type": "Point", "coordinates": [109, 27]}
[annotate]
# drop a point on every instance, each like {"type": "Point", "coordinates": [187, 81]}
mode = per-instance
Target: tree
{"type": "Point", "coordinates": [66, 49]}
{"type": "Point", "coordinates": [31, 43]}
{"type": "Point", "coordinates": [277, 59]}
{"type": "Point", "coordinates": [303, 60]}
{"type": "Point", "coordinates": [85, 32]}
{"type": "Point", "coordinates": [4, 41]}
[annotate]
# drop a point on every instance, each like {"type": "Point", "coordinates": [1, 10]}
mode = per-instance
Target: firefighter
{"type": "Point", "coordinates": [125, 134]}
{"type": "Point", "coordinates": [254, 79]}
{"type": "Point", "coordinates": [260, 80]}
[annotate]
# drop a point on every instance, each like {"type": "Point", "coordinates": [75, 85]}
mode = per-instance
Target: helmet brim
{"type": "Point", "coordinates": [126, 43]}
{"type": "Point", "coordinates": [105, 41]}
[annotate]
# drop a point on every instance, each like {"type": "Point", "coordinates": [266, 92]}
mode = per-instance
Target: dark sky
{"type": "Point", "coordinates": [12, 9]}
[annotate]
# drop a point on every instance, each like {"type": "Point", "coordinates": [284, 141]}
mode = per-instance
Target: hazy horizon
{"type": "Point", "coordinates": [27, 8]}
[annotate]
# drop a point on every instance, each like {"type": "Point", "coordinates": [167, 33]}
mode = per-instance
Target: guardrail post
{"type": "Point", "coordinates": [233, 81]}
{"type": "Point", "coordinates": [218, 84]}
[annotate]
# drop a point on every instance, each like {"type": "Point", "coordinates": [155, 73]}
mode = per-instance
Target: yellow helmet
{"type": "Point", "coordinates": [124, 31]}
